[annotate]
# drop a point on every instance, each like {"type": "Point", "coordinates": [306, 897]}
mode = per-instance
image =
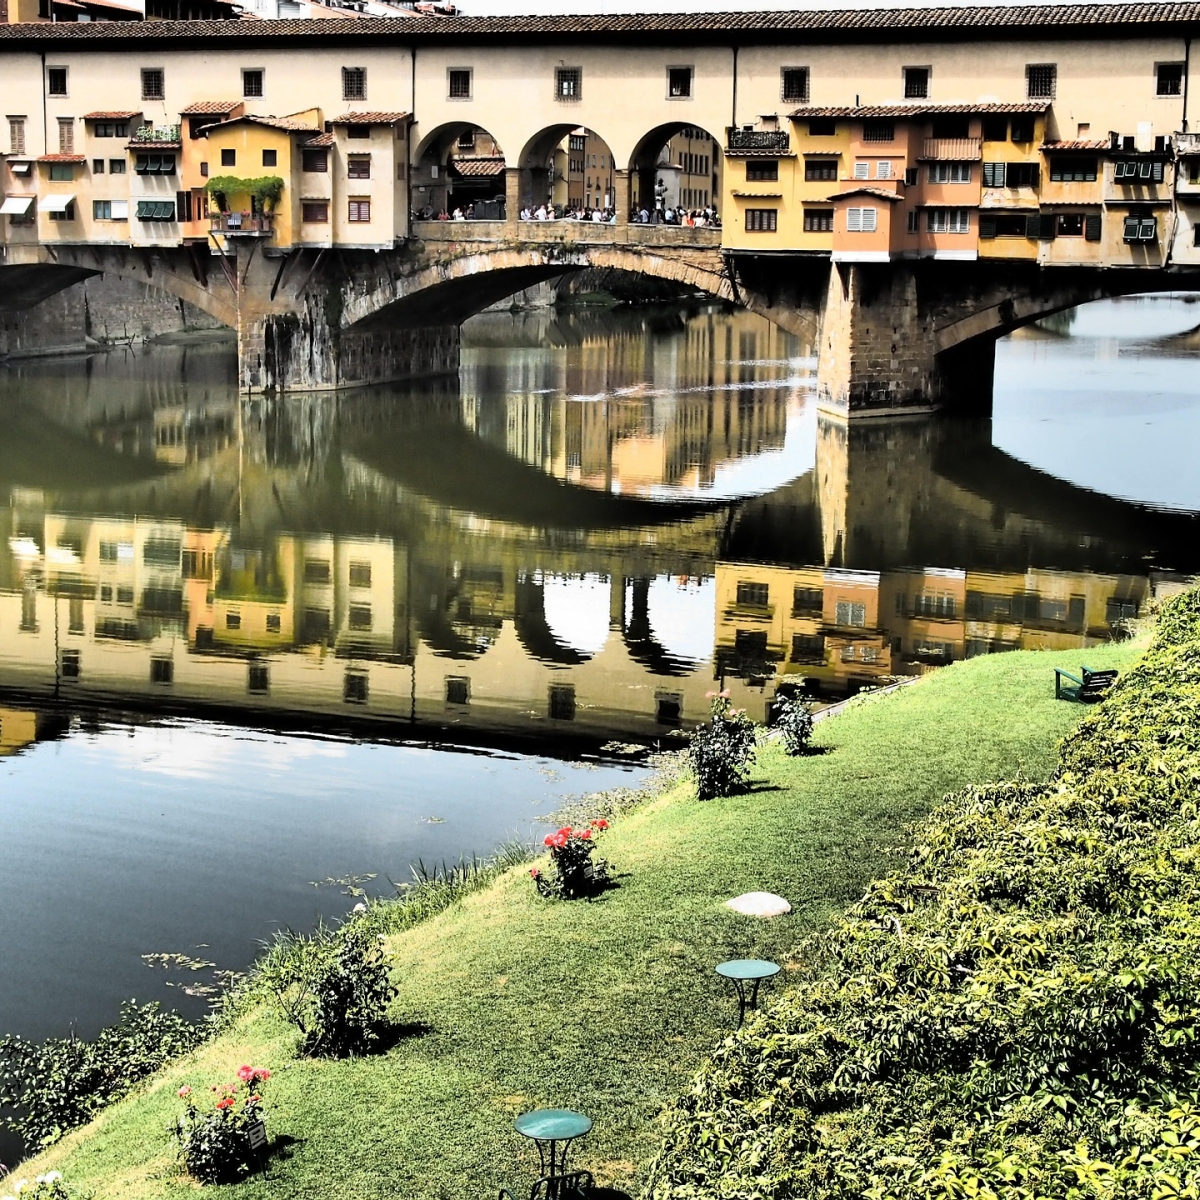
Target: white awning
{"type": "Point", "coordinates": [15, 206]}
{"type": "Point", "coordinates": [57, 204]}
{"type": "Point", "coordinates": [20, 167]}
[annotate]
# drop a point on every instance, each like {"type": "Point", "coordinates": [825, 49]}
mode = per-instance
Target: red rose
{"type": "Point", "coordinates": [245, 1074]}
{"type": "Point", "coordinates": [586, 833]}
{"type": "Point", "coordinates": [184, 1091]}
{"type": "Point", "coordinates": [549, 839]}
{"type": "Point", "coordinates": [227, 1102]}
{"type": "Point", "coordinates": [602, 824]}
{"type": "Point", "coordinates": [535, 872]}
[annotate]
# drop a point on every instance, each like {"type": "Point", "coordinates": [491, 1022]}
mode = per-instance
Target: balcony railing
{"type": "Point", "coordinates": [953, 149]}
{"type": "Point", "coordinates": [768, 141]}
{"type": "Point", "coordinates": [242, 224]}
{"type": "Point", "coordinates": [150, 135]}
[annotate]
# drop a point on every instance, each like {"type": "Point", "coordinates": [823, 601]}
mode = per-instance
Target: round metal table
{"type": "Point", "coordinates": [552, 1128]}
{"type": "Point", "coordinates": [745, 971]}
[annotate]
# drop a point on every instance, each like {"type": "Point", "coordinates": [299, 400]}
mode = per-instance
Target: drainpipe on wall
{"type": "Point", "coordinates": [1187, 66]}
{"type": "Point", "coordinates": [45, 118]}
{"type": "Point", "coordinates": [733, 107]}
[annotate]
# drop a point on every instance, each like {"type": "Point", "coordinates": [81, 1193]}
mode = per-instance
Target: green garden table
{"type": "Point", "coordinates": [552, 1128]}
{"type": "Point", "coordinates": [745, 971]}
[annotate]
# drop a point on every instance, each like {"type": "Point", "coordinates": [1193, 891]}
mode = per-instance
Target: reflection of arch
{"type": "Point", "coordinates": [534, 630]}
{"type": "Point", "coordinates": [537, 155]}
{"type": "Point", "coordinates": [641, 642]}
{"type": "Point", "coordinates": [458, 617]}
{"type": "Point", "coordinates": [644, 159]}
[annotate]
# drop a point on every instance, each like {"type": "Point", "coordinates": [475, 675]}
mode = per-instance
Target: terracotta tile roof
{"type": "Point", "coordinates": [287, 124]}
{"type": "Point", "coordinates": [110, 116]}
{"type": "Point", "coordinates": [371, 118]}
{"type": "Point", "coordinates": [204, 108]}
{"type": "Point", "coordinates": [1075, 145]}
{"type": "Point", "coordinates": [322, 139]}
{"type": "Point", "coordinates": [478, 168]}
{"type": "Point", "coordinates": [847, 24]}
{"type": "Point", "coordinates": [866, 112]}
{"type": "Point", "coordinates": [865, 191]}
{"type": "Point", "coordinates": [62, 158]}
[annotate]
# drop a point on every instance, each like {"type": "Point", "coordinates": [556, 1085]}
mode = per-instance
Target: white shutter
{"type": "Point", "coordinates": [868, 220]}
{"type": "Point", "coordinates": [883, 170]}
{"type": "Point", "coordinates": [862, 170]}
{"type": "Point", "coordinates": [854, 220]}
{"type": "Point", "coordinates": [120, 210]}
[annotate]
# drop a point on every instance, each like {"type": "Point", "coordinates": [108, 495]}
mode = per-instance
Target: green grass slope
{"type": "Point", "coordinates": [608, 1007]}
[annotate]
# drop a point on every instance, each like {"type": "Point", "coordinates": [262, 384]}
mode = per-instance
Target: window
{"type": "Point", "coordinates": [1073, 170]}
{"type": "Point", "coordinates": [270, 158]}
{"type": "Point", "coordinates": [913, 223]}
{"type": "Point", "coordinates": [568, 83]}
{"type": "Point", "coordinates": [314, 212]}
{"type": "Point", "coordinates": [154, 164]}
{"type": "Point", "coordinates": [274, 624]}
{"type": "Point", "coordinates": [561, 702]}
{"type": "Point", "coordinates": [822, 127]}
{"type": "Point", "coordinates": [258, 678]}
{"type": "Point", "coordinates": [850, 614]}
{"type": "Point", "coordinates": [70, 664]}
{"type": "Point", "coordinates": [97, 166]}
{"type": "Point", "coordinates": [116, 166]}
{"type": "Point", "coordinates": [360, 574]}
{"type": "Point", "coordinates": [879, 131]}
{"type": "Point", "coordinates": [821, 170]}
{"type": "Point", "coordinates": [862, 170]}
{"type": "Point", "coordinates": [316, 570]}
{"type": "Point", "coordinates": [1139, 170]}
{"type": "Point", "coordinates": [1069, 225]}
{"type": "Point", "coordinates": [358, 166]}
{"type": "Point", "coordinates": [153, 84]}
{"type": "Point", "coordinates": [1021, 129]}
{"type": "Point", "coordinates": [229, 158]}
{"type": "Point", "coordinates": [314, 160]}
{"type": "Point", "coordinates": [56, 81]}
{"type": "Point", "coordinates": [360, 618]}
{"type": "Point", "coordinates": [355, 688]}
{"type": "Point", "coordinates": [679, 83]}
{"type": "Point", "coordinates": [252, 84]}
{"type": "Point", "coordinates": [995, 129]}
{"type": "Point", "coordinates": [1169, 79]}
{"type": "Point", "coordinates": [459, 83]}
{"type": "Point", "coordinates": [233, 620]}
{"type": "Point", "coordinates": [794, 84]}
{"type": "Point", "coordinates": [359, 210]}
{"type": "Point", "coordinates": [360, 131]}
{"type": "Point", "coordinates": [762, 170]}
{"type": "Point", "coordinates": [807, 600]}
{"type": "Point", "coordinates": [458, 689]}
{"type": "Point", "coordinates": [948, 220]}
{"type": "Point", "coordinates": [162, 670]}
{"type": "Point", "coordinates": [101, 210]}
{"type": "Point", "coordinates": [16, 135]}
{"type": "Point", "coordinates": [818, 220]}
{"type": "Point", "coordinates": [1004, 225]}
{"type": "Point", "coordinates": [107, 129]}
{"type": "Point", "coordinates": [761, 220]}
{"type": "Point", "coordinates": [1041, 80]}
{"type": "Point", "coordinates": [754, 594]}
{"type": "Point", "coordinates": [354, 83]}
{"type": "Point", "coordinates": [808, 648]}
{"type": "Point", "coordinates": [1140, 228]}
{"type": "Point", "coordinates": [66, 213]}
{"type": "Point", "coordinates": [950, 172]}
{"type": "Point", "coordinates": [916, 83]}
{"type": "Point", "coordinates": [861, 220]}
{"type": "Point", "coordinates": [62, 172]}
{"type": "Point", "coordinates": [66, 135]}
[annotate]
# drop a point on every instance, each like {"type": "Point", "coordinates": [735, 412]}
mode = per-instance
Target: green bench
{"type": "Point", "coordinates": [1088, 690]}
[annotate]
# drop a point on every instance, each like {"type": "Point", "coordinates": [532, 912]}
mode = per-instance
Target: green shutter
{"type": "Point", "coordinates": [987, 226]}
{"type": "Point", "coordinates": [145, 210]}
{"type": "Point", "coordinates": [993, 174]}
{"type": "Point", "coordinates": [1091, 228]}
{"type": "Point", "coordinates": [1047, 227]}
{"type": "Point", "coordinates": [1033, 226]}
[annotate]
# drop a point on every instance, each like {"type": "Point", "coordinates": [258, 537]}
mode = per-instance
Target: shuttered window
{"type": "Point", "coordinates": [861, 220]}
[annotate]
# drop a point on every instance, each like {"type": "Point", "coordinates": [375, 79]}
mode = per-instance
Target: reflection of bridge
{"type": "Point", "coordinates": [275, 572]}
{"type": "Point", "coordinates": [898, 217]}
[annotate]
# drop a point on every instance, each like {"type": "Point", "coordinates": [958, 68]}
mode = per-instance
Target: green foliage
{"type": "Point", "coordinates": [1014, 1016]}
{"type": "Point", "coordinates": [45, 1187]}
{"type": "Point", "coordinates": [795, 721]}
{"type": "Point", "coordinates": [49, 1088]}
{"type": "Point", "coordinates": [267, 188]}
{"type": "Point", "coordinates": [214, 1143]}
{"type": "Point", "coordinates": [334, 986]}
{"type": "Point", "coordinates": [720, 753]}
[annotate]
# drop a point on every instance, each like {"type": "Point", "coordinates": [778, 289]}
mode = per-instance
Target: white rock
{"type": "Point", "coordinates": [759, 904]}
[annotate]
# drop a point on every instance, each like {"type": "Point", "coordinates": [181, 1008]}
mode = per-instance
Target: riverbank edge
{"type": "Point", "coordinates": [664, 791]}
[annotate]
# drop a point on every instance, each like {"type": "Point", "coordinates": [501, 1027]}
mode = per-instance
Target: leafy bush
{"type": "Point", "coordinates": [51, 1087]}
{"type": "Point", "coordinates": [1016, 1015]}
{"type": "Point", "coordinates": [215, 1143]}
{"type": "Point", "coordinates": [45, 1187]}
{"type": "Point", "coordinates": [795, 721]}
{"type": "Point", "coordinates": [334, 986]}
{"type": "Point", "coordinates": [720, 753]}
{"type": "Point", "coordinates": [576, 873]}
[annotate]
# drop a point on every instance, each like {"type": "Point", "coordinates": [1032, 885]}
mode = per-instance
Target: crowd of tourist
{"type": "Point", "coordinates": [695, 218]}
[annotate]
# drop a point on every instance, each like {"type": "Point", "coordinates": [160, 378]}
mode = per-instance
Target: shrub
{"type": "Point", "coordinates": [45, 1187]}
{"type": "Point", "coordinates": [1016, 1015]}
{"type": "Point", "coordinates": [335, 987]}
{"type": "Point", "coordinates": [51, 1087]}
{"type": "Point", "coordinates": [795, 721]}
{"type": "Point", "coordinates": [216, 1143]}
{"type": "Point", "coordinates": [720, 753]}
{"type": "Point", "coordinates": [575, 873]}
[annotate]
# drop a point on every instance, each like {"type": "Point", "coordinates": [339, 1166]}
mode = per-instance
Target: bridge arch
{"type": "Point", "coordinates": [541, 153]}
{"type": "Point", "coordinates": [644, 160]}
{"type": "Point", "coordinates": [440, 174]}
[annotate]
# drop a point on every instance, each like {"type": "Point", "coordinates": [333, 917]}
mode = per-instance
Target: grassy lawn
{"type": "Point", "coordinates": [607, 1007]}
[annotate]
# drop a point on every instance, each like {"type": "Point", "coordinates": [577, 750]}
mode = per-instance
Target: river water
{"type": "Point", "coordinates": [249, 647]}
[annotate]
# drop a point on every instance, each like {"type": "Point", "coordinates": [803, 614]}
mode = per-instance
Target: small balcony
{"type": "Point", "coordinates": [952, 150]}
{"type": "Point", "coordinates": [242, 224]}
{"type": "Point", "coordinates": [156, 135]}
{"type": "Point", "coordinates": [758, 141]}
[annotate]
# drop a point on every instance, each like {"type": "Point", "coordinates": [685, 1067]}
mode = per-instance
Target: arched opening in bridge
{"type": "Point", "coordinates": [567, 170]}
{"type": "Point", "coordinates": [459, 169]}
{"type": "Point", "coordinates": [675, 166]}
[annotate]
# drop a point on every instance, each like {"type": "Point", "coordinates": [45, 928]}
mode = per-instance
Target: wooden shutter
{"type": "Point", "coordinates": [1047, 227]}
{"type": "Point", "coordinates": [987, 226]}
{"type": "Point", "coordinates": [1091, 228]}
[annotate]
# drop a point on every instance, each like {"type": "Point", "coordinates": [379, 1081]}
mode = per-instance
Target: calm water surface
{"type": "Point", "coordinates": [246, 647]}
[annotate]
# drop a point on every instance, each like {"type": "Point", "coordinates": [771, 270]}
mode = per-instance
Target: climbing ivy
{"type": "Point", "coordinates": [267, 188]}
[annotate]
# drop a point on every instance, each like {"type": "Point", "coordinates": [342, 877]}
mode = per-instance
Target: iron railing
{"type": "Point", "coordinates": [769, 141]}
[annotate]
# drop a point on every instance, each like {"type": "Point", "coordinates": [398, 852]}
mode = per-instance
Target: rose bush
{"type": "Point", "coordinates": [45, 1187]}
{"type": "Point", "coordinates": [795, 721]}
{"type": "Point", "coordinates": [215, 1143]}
{"type": "Point", "coordinates": [575, 872]}
{"type": "Point", "coordinates": [720, 753]}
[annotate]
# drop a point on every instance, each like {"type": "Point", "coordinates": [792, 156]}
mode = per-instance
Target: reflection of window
{"type": "Point", "coordinates": [316, 570]}
{"type": "Point", "coordinates": [70, 664]}
{"type": "Point", "coordinates": [162, 670]}
{"type": "Point", "coordinates": [316, 623]}
{"type": "Point", "coordinates": [161, 552]}
{"type": "Point", "coordinates": [125, 595]}
{"type": "Point", "coordinates": [360, 617]}
{"type": "Point", "coordinates": [938, 605]}
{"type": "Point", "coordinates": [808, 648]}
{"type": "Point", "coordinates": [233, 620]}
{"type": "Point", "coordinates": [273, 622]}
{"type": "Point", "coordinates": [807, 600]}
{"type": "Point", "coordinates": [752, 643]}
{"type": "Point", "coordinates": [562, 702]}
{"type": "Point", "coordinates": [755, 594]}
{"type": "Point", "coordinates": [668, 709]}
{"type": "Point", "coordinates": [355, 689]}
{"type": "Point", "coordinates": [360, 574]}
{"type": "Point", "coordinates": [258, 678]}
{"type": "Point", "coordinates": [849, 613]}
{"type": "Point", "coordinates": [1120, 610]}
{"type": "Point", "coordinates": [458, 689]}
